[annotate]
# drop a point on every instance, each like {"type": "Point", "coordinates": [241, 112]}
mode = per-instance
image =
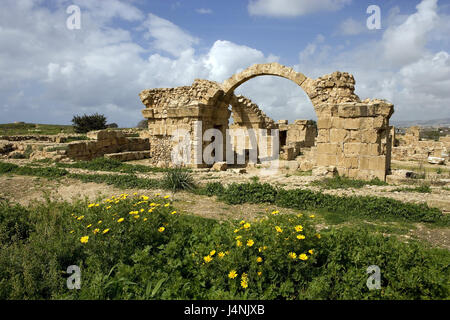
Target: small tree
{"type": "Point", "coordinates": [85, 123]}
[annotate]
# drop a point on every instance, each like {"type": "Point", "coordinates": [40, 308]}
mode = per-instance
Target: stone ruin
{"type": "Point", "coordinates": [352, 137]}
{"type": "Point", "coordinates": [410, 146]}
{"type": "Point", "coordinates": [112, 144]}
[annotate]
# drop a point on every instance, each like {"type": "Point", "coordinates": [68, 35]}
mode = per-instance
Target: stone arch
{"type": "Point", "coordinates": [273, 69]}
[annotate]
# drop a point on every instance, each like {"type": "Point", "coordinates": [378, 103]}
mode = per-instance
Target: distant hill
{"type": "Point", "coordinates": [445, 122]}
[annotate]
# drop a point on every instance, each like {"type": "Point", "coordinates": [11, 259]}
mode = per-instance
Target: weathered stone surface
{"type": "Point", "coordinates": [436, 160]}
{"type": "Point", "coordinates": [350, 135]}
{"type": "Point", "coordinates": [219, 166]}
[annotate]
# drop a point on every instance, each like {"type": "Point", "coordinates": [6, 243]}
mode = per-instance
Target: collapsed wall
{"type": "Point", "coordinates": [410, 147]}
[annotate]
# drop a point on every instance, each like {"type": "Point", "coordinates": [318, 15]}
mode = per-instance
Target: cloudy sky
{"type": "Point", "coordinates": [50, 72]}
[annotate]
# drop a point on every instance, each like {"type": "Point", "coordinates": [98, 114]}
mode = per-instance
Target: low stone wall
{"type": "Point", "coordinates": [105, 142]}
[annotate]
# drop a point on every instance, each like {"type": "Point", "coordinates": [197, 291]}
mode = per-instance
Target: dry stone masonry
{"type": "Point", "coordinates": [353, 136]}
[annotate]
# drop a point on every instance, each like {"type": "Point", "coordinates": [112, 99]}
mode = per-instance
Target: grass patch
{"type": "Point", "coordinates": [112, 165]}
{"type": "Point", "coordinates": [9, 129]}
{"type": "Point", "coordinates": [421, 189]}
{"type": "Point", "coordinates": [157, 253]}
{"type": "Point", "coordinates": [362, 206]}
{"type": "Point", "coordinates": [339, 182]}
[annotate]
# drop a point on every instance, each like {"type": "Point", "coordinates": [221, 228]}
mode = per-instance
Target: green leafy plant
{"type": "Point", "coordinates": [178, 179]}
{"type": "Point", "coordinates": [85, 123]}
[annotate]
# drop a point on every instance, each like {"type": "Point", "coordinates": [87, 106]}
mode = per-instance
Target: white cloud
{"type": "Point", "coordinates": [405, 43]}
{"type": "Point", "coordinates": [167, 36]}
{"type": "Point", "coordinates": [203, 11]}
{"type": "Point", "coordinates": [225, 58]}
{"type": "Point", "coordinates": [293, 8]}
{"type": "Point", "coordinates": [413, 77]}
{"type": "Point", "coordinates": [351, 27]}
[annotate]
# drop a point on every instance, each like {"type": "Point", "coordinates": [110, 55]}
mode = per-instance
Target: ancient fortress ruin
{"type": "Point", "coordinates": [352, 136]}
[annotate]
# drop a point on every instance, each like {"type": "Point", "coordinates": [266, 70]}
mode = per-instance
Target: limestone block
{"type": "Point", "coordinates": [352, 123]}
{"type": "Point", "coordinates": [219, 166]}
{"type": "Point", "coordinates": [436, 160]}
{"type": "Point", "coordinates": [324, 123]}
{"type": "Point", "coordinates": [338, 135]}
{"type": "Point", "coordinates": [323, 136]}
{"type": "Point", "coordinates": [369, 136]}
{"type": "Point", "coordinates": [329, 148]}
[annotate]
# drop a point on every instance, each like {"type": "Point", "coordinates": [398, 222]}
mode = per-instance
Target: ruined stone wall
{"type": "Point", "coordinates": [172, 109]}
{"type": "Point", "coordinates": [355, 138]}
{"type": "Point", "coordinates": [353, 135]}
{"type": "Point", "coordinates": [106, 142]}
{"type": "Point", "coordinates": [410, 147]}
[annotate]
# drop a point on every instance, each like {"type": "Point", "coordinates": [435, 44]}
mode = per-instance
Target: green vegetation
{"type": "Point", "coordinates": [178, 179]}
{"type": "Point", "coordinates": [138, 247]}
{"type": "Point", "coordinates": [422, 189]}
{"type": "Point", "coordinates": [9, 129]}
{"type": "Point", "coordinates": [85, 123]}
{"type": "Point", "coordinates": [76, 138]}
{"type": "Point", "coordinates": [339, 182]}
{"type": "Point", "coordinates": [112, 165]}
{"type": "Point", "coordinates": [360, 206]}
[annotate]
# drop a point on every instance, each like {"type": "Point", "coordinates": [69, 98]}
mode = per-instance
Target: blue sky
{"type": "Point", "coordinates": [51, 73]}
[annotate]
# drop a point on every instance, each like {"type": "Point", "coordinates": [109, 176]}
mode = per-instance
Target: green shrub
{"type": "Point", "coordinates": [339, 182]}
{"type": "Point", "coordinates": [86, 123]}
{"type": "Point", "coordinates": [421, 189]}
{"type": "Point", "coordinates": [178, 179]}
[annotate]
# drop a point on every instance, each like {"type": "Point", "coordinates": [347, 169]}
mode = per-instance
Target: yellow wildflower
{"type": "Point", "coordinates": [299, 228]}
{"type": "Point", "coordinates": [213, 252]}
{"type": "Point", "coordinates": [232, 274]}
{"type": "Point", "coordinates": [136, 216]}
{"type": "Point", "coordinates": [144, 198]}
{"type": "Point", "coordinates": [166, 197]}
{"type": "Point", "coordinates": [207, 259]}
{"type": "Point", "coordinates": [167, 204]}
{"type": "Point", "coordinates": [242, 222]}
{"type": "Point", "coordinates": [238, 237]}
{"type": "Point", "coordinates": [318, 235]}
{"type": "Point", "coordinates": [312, 216]}
{"type": "Point", "coordinates": [259, 259]}
{"type": "Point", "coordinates": [120, 220]}
{"type": "Point", "coordinates": [247, 225]}
{"type": "Point", "coordinates": [250, 242]}
{"type": "Point", "coordinates": [259, 273]}
{"type": "Point", "coordinates": [173, 212]}
{"type": "Point", "coordinates": [91, 205]}
{"type": "Point", "coordinates": [80, 218]}
{"type": "Point", "coordinates": [99, 221]}
{"type": "Point", "coordinates": [89, 225]}
{"type": "Point", "coordinates": [221, 254]}
{"type": "Point", "coordinates": [145, 219]}
{"type": "Point", "coordinates": [161, 229]}
{"type": "Point", "coordinates": [84, 239]}
{"type": "Point", "coordinates": [142, 210]}
{"type": "Point", "coordinates": [244, 284]}
{"type": "Point", "coordinates": [152, 204]}
{"type": "Point", "coordinates": [239, 243]}
{"type": "Point", "coordinates": [105, 231]}
{"type": "Point", "coordinates": [278, 229]}
{"type": "Point", "coordinates": [96, 230]}
{"type": "Point", "coordinates": [97, 204]}
{"type": "Point", "coordinates": [72, 231]}
{"type": "Point", "coordinates": [303, 257]}
{"type": "Point", "coordinates": [300, 237]}
{"type": "Point", "coordinates": [292, 255]}
{"type": "Point", "coordinates": [108, 207]}
{"type": "Point", "coordinates": [311, 251]}
{"type": "Point", "coordinates": [275, 212]}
